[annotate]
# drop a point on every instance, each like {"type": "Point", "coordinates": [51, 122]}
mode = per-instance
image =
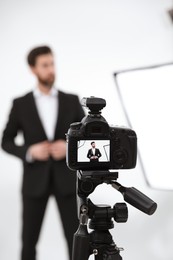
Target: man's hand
{"type": "Point", "coordinates": [94, 157]}
{"type": "Point", "coordinates": [58, 149]}
{"type": "Point", "coordinates": [40, 151]}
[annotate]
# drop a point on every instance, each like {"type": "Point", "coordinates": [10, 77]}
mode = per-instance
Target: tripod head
{"type": "Point", "coordinates": [99, 242]}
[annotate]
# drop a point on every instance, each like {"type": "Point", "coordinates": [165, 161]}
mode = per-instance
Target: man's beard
{"type": "Point", "coordinates": [47, 83]}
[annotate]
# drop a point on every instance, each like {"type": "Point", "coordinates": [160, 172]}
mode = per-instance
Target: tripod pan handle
{"type": "Point", "coordinates": [139, 200]}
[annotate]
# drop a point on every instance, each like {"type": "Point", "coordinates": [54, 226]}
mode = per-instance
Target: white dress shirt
{"type": "Point", "coordinates": [94, 151]}
{"type": "Point", "coordinates": [47, 106]}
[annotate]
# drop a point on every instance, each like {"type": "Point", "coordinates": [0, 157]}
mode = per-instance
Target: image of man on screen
{"type": "Point", "coordinates": [94, 154]}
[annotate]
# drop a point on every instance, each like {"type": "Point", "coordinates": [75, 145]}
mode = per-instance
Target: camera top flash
{"type": "Point", "coordinates": [94, 104]}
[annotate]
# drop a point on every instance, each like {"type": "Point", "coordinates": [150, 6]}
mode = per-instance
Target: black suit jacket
{"type": "Point", "coordinates": [24, 117]}
{"type": "Point", "coordinates": [97, 153]}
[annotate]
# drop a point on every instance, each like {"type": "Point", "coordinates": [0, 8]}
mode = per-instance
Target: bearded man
{"type": "Point", "coordinates": [43, 116]}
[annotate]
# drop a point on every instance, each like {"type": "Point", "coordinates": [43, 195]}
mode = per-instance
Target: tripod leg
{"type": "Point", "coordinates": [81, 244]}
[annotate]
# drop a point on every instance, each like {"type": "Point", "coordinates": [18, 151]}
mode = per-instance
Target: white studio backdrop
{"type": "Point", "coordinates": [91, 40]}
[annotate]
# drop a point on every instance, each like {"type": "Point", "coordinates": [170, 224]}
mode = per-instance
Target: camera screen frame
{"type": "Point", "coordinates": [76, 164]}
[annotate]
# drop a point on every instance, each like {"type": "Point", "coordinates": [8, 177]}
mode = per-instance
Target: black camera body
{"type": "Point", "coordinates": [94, 145]}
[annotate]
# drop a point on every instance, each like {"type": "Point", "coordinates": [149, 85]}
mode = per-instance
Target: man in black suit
{"type": "Point", "coordinates": [94, 154]}
{"type": "Point", "coordinates": [43, 116]}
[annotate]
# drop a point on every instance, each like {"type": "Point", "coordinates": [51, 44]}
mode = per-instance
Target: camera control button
{"type": "Point", "coordinates": [76, 126]}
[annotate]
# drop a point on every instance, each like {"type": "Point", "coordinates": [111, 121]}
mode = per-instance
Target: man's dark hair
{"type": "Point", "coordinates": [34, 53]}
{"type": "Point", "coordinates": [92, 142]}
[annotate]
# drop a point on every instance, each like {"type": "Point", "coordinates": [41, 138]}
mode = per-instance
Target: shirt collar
{"type": "Point", "coordinates": [37, 93]}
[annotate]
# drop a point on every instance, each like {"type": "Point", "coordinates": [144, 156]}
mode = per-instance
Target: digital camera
{"type": "Point", "coordinates": [94, 145]}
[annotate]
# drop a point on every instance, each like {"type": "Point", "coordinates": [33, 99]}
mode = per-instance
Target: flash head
{"type": "Point", "coordinates": [94, 104]}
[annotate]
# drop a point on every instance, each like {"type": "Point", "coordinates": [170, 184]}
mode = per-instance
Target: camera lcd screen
{"type": "Point", "coordinates": [93, 151]}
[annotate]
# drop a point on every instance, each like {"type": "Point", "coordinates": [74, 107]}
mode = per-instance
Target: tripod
{"type": "Point", "coordinates": [100, 242]}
